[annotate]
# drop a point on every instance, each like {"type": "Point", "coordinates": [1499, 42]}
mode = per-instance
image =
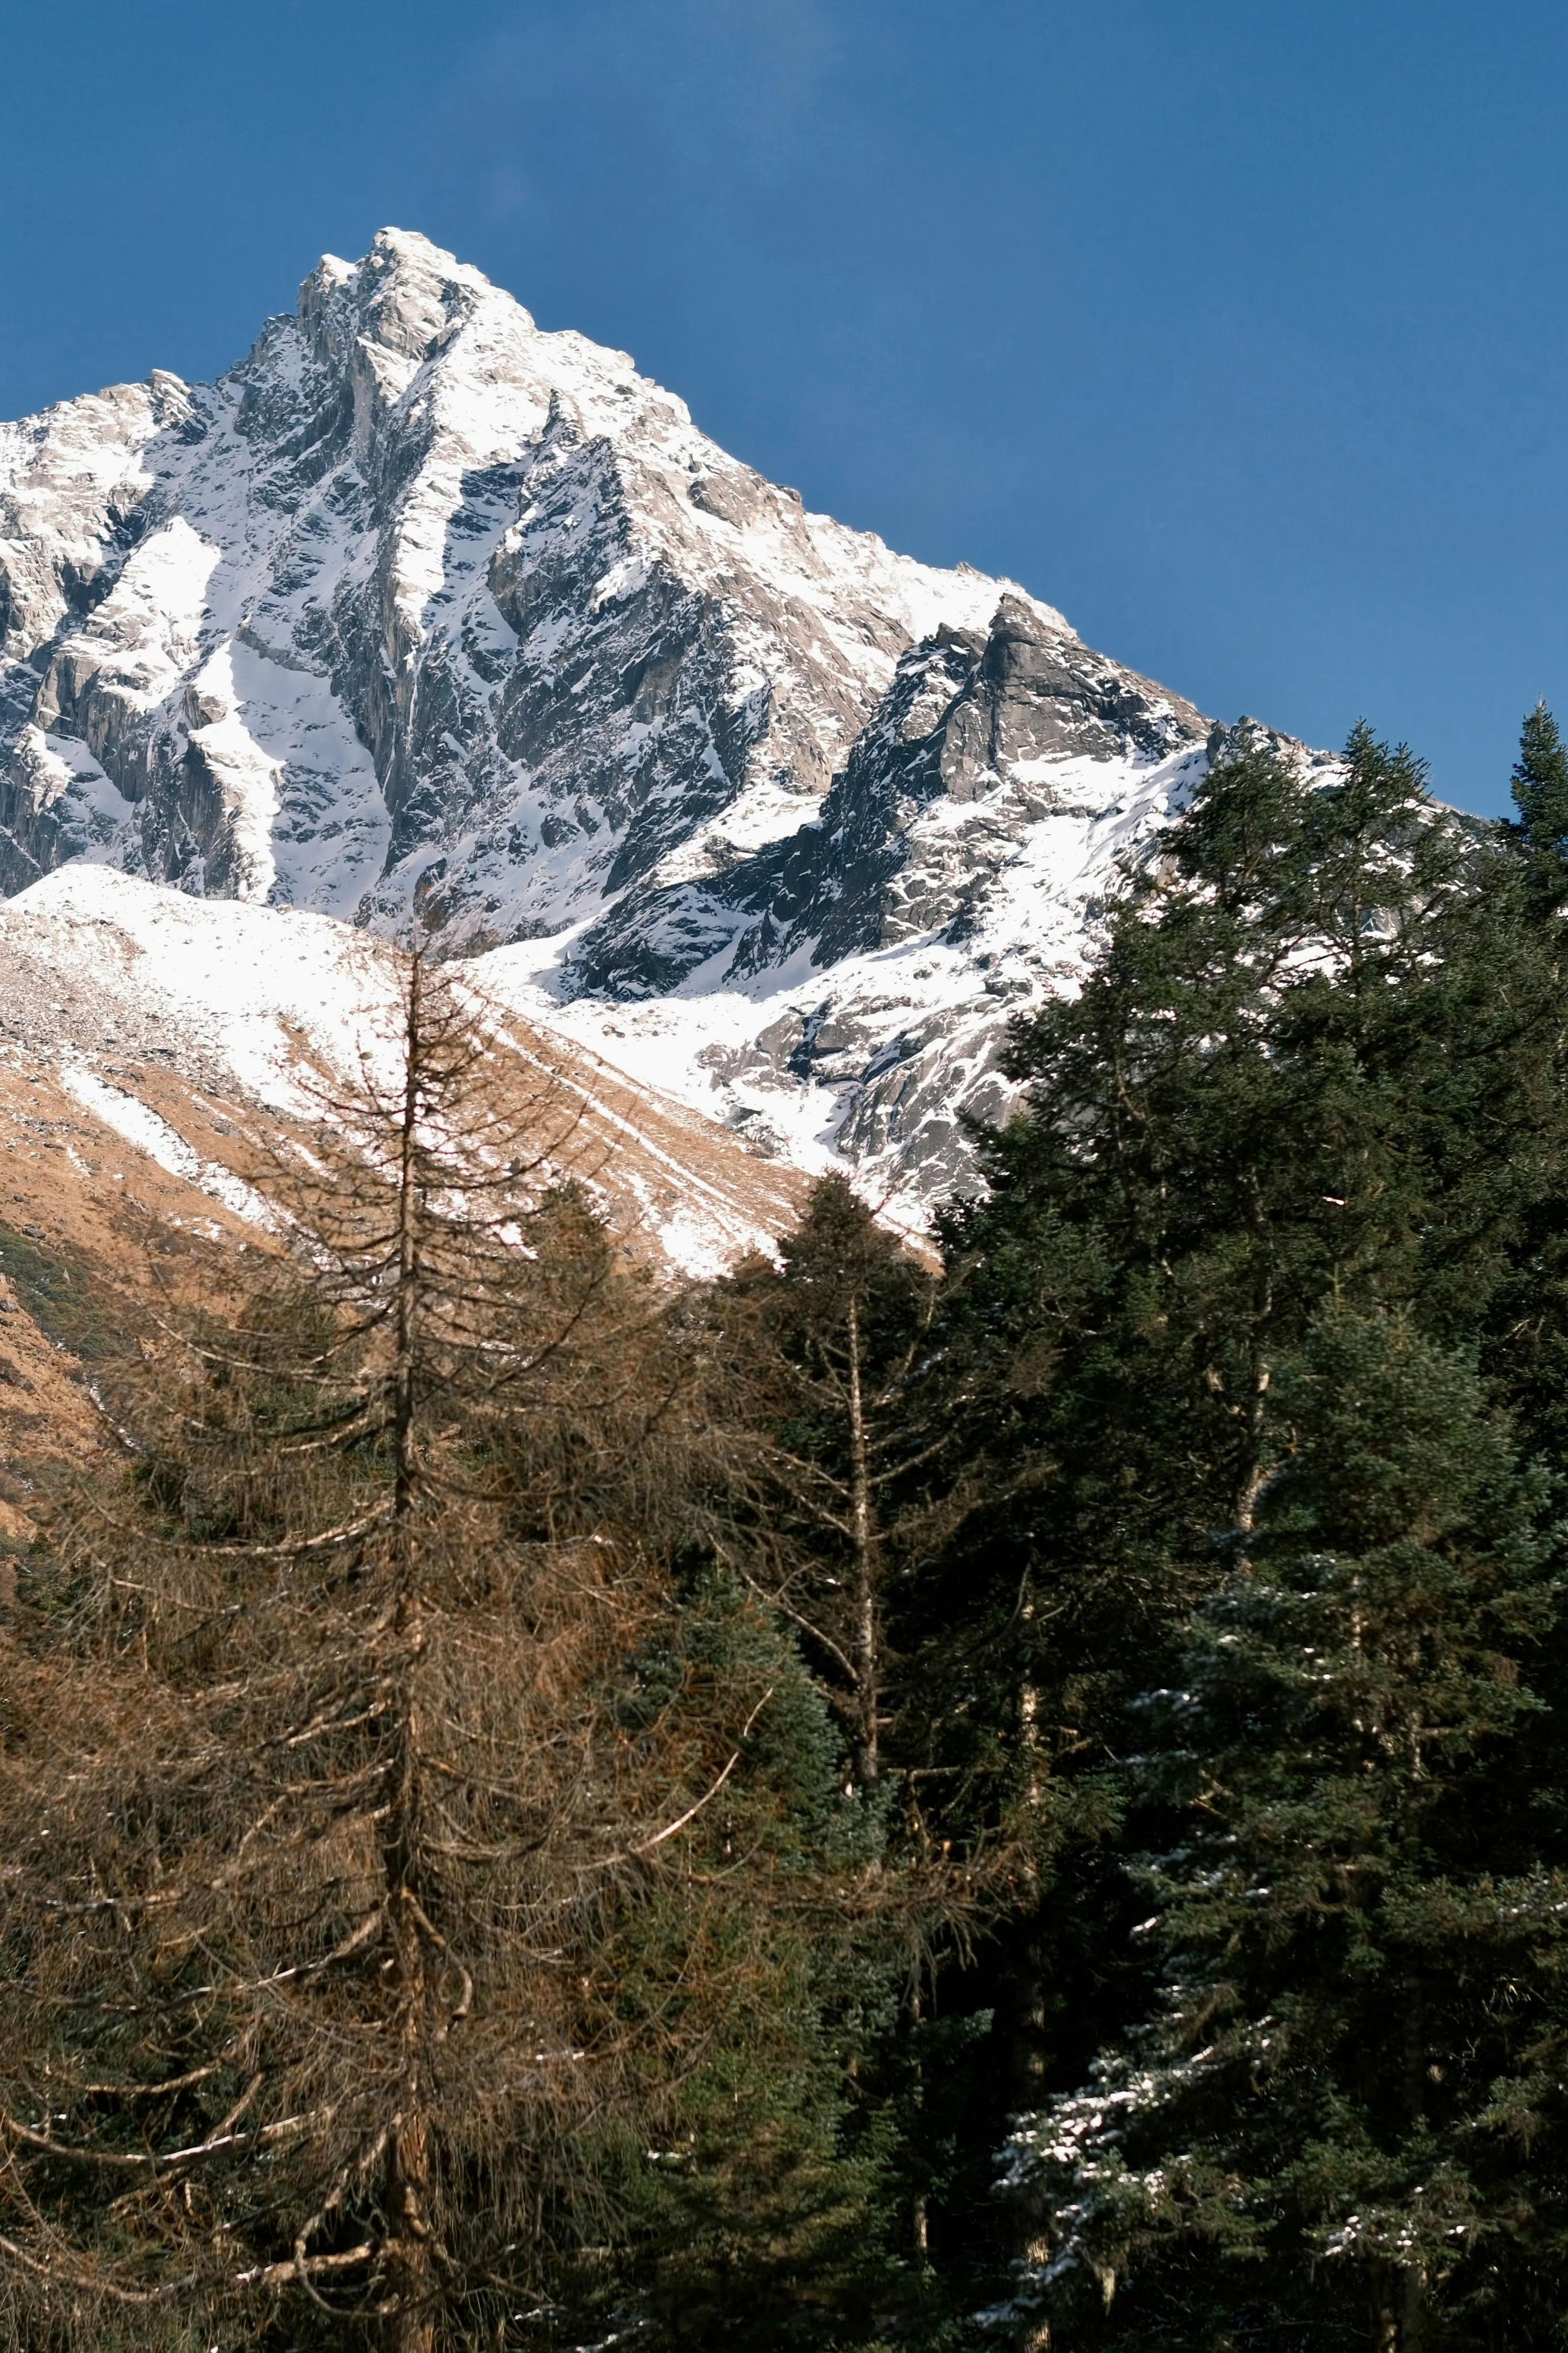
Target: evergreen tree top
{"type": "Point", "coordinates": [1540, 797]}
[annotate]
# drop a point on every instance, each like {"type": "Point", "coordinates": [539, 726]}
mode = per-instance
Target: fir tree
{"type": "Point", "coordinates": [1282, 1086]}
{"type": "Point", "coordinates": [1355, 2074]}
{"type": "Point", "coordinates": [837, 1440]}
{"type": "Point", "coordinates": [1218, 1138]}
{"type": "Point", "coordinates": [1540, 797]}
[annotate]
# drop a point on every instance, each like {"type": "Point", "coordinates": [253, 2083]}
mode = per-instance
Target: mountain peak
{"type": "Point", "coordinates": [423, 614]}
{"type": "Point", "coordinates": [404, 296]}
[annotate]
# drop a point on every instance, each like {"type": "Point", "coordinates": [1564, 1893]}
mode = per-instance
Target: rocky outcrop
{"type": "Point", "coordinates": [420, 609]}
{"type": "Point", "coordinates": [990, 729]}
{"type": "Point", "coordinates": [422, 614]}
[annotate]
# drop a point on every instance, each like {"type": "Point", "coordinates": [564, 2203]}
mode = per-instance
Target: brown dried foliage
{"type": "Point", "coordinates": [329, 1776]}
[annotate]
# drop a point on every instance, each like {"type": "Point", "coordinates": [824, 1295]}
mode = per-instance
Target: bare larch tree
{"type": "Point", "coordinates": [331, 1772]}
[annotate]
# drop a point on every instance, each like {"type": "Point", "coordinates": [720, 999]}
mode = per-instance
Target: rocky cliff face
{"type": "Point", "coordinates": [423, 613]}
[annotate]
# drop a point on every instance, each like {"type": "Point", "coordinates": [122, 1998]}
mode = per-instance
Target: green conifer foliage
{"type": "Point", "coordinates": [829, 1425]}
{"type": "Point", "coordinates": [835, 1439]}
{"type": "Point", "coordinates": [1304, 1077]}
{"type": "Point", "coordinates": [767, 2213]}
{"type": "Point", "coordinates": [1349, 2085]}
{"type": "Point", "coordinates": [1219, 1138]}
{"type": "Point", "coordinates": [1540, 797]}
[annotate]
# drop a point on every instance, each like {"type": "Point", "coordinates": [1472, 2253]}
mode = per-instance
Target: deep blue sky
{"type": "Point", "coordinates": [1234, 327]}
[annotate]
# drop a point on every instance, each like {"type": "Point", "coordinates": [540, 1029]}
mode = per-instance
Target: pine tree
{"type": "Point", "coordinates": [391, 1861]}
{"type": "Point", "coordinates": [1540, 797]}
{"type": "Point", "coordinates": [1352, 2090]}
{"type": "Point", "coordinates": [823, 1351]}
{"type": "Point", "coordinates": [1281, 1087]}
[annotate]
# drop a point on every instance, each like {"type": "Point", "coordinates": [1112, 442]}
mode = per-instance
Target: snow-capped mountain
{"type": "Point", "coordinates": [421, 613]}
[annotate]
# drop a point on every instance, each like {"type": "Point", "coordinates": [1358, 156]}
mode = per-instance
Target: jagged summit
{"type": "Point", "coordinates": [422, 610]}
{"type": "Point", "coordinates": [409, 495]}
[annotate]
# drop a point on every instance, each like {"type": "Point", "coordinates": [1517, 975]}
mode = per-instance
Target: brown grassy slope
{"type": "Point", "coordinates": [159, 1054]}
{"type": "Point", "coordinates": [86, 1226]}
{"type": "Point", "coordinates": [91, 1226]}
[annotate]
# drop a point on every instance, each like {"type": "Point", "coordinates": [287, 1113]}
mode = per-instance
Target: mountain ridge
{"type": "Point", "coordinates": [423, 615]}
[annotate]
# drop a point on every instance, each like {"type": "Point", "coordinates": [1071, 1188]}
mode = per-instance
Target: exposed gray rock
{"type": "Point", "coordinates": [986, 722]}
{"type": "Point", "coordinates": [422, 613]}
{"type": "Point", "coordinates": [420, 609]}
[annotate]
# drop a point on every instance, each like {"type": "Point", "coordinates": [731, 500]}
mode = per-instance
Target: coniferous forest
{"type": "Point", "coordinates": [868, 1804]}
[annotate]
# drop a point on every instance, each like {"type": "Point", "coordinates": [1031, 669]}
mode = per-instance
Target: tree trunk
{"type": "Point", "coordinates": [1413, 2317]}
{"type": "Point", "coordinates": [1033, 2250]}
{"type": "Point", "coordinates": [412, 2326]}
{"type": "Point", "coordinates": [1034, 2337]}
{"type": "Point", "coordinates": [1032, 2247]}
{"type": "Point", "coordinates": [919, 2212]}
{"type": "Point", "coordinates": [411, 2323]}
{"type": "Point", "coordinates": [412, 2320]}
{"type": "Point", "coordinates": [408, 1267]}
{"type": "Point", "coordinates": [866, 1648]}
{"type": "Point", "coordinates": [1398, 2308]}
{"type": "Point", "coordinates": [1249, 1470]}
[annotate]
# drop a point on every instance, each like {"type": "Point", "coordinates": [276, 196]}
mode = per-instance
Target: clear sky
{"type": "Point", "coordinates": [1235, 328]}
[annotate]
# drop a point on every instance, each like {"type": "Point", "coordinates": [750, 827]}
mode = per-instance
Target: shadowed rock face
{"type": "Point", "coordinates": [985, 721]}
{"type": "Point", "coordinates": [422, 613]}
{"type": "Point", "coordinates": [911, 914]}
{"type": "Point", "coordinates": [420, 607]}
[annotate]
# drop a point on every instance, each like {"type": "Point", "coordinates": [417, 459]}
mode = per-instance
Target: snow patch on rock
{"type": "Point", "coordinates": [422, 616]}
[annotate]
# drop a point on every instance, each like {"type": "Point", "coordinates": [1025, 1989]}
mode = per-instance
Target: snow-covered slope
{"type": "Point", "coordinates": [420, 612]}
{"type": "Point", "coordinates": [196, 1035]}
